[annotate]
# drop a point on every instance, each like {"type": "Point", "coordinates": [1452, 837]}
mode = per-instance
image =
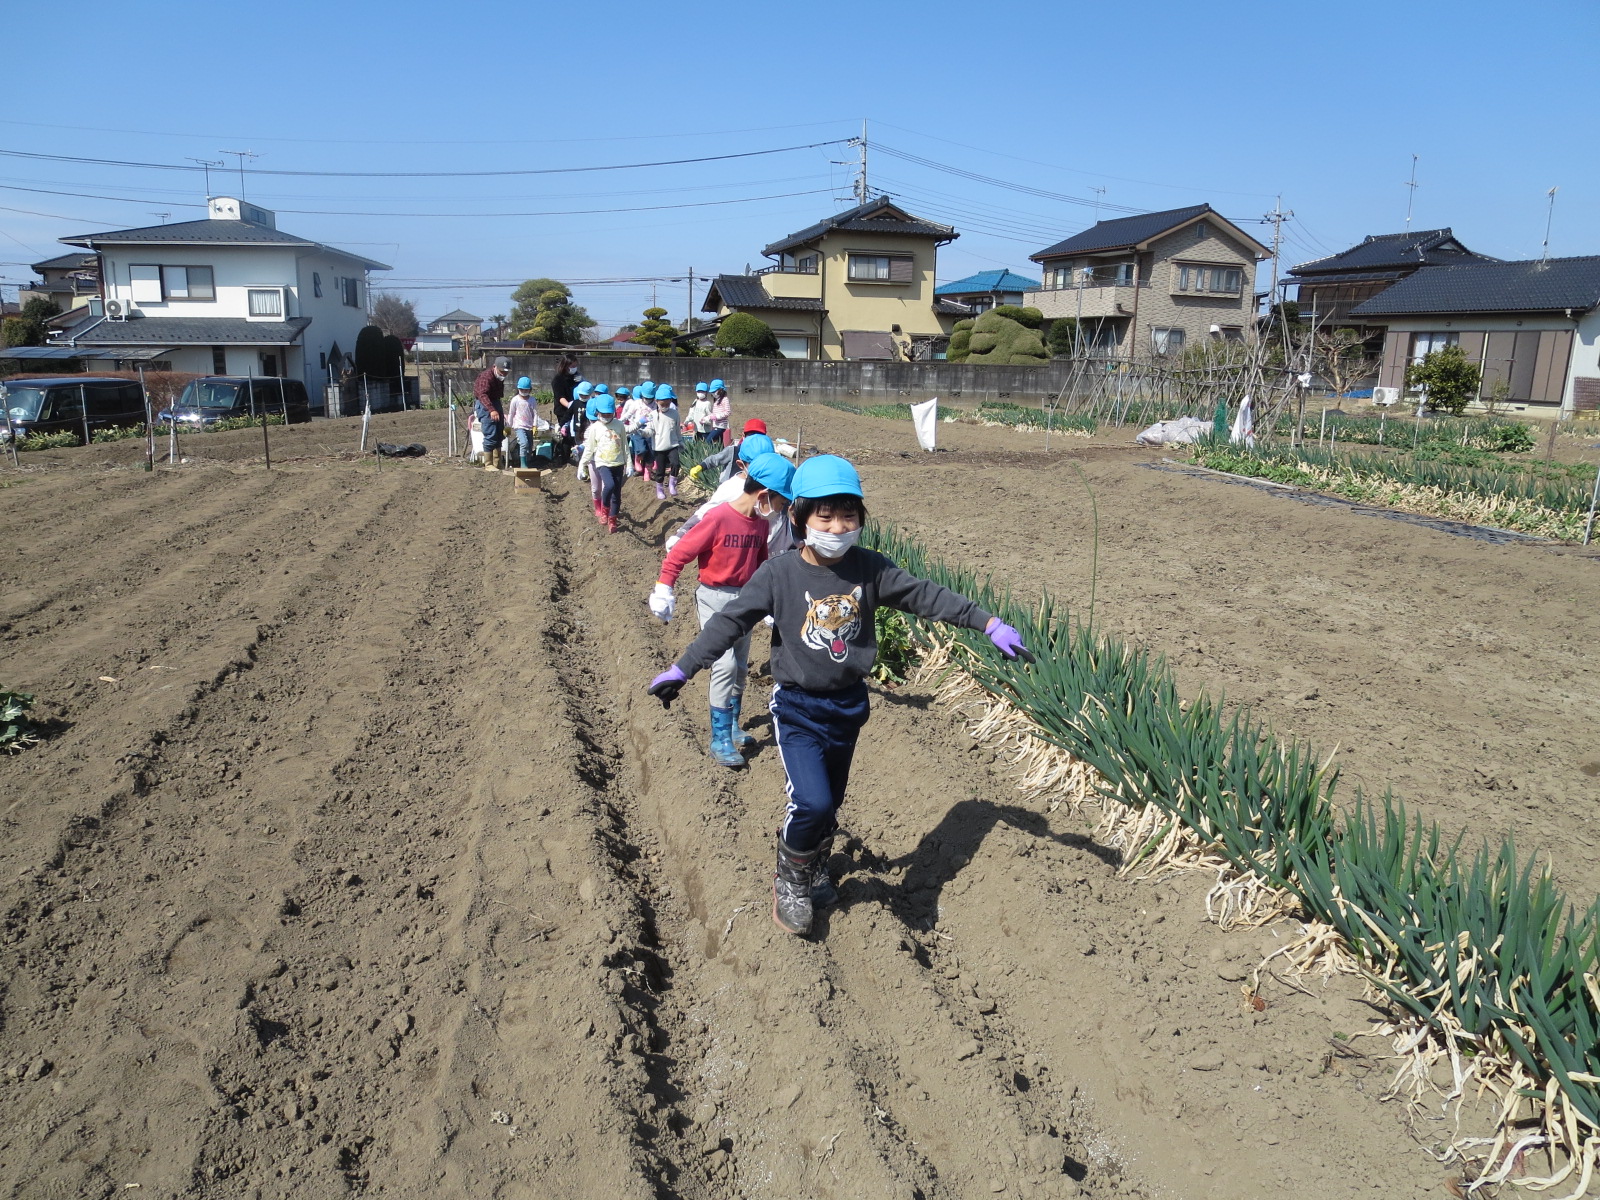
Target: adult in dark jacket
{"type": "Point", "coordinates": [563, 384]}
{"type": "Point", "coordinates": [489, 391]}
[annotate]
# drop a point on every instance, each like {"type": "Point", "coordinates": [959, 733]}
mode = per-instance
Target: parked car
{"type": "Point", "coordinates": [218, 397]}
{"type": "Point", "coordinates": [59, 403]}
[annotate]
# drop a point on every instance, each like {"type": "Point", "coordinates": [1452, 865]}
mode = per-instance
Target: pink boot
{"type": "Point", "coordinates": [660, 495]}
{"type": "Point", "coordinates": [672, 484]}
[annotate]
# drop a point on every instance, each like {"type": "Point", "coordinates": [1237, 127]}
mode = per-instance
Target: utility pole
{"type": "Point", "coordinates": [205, 165]}
{"type": "Point", "coordinates": [1412, 194]}
{"type": "Point", "coordinates": [862, 195]}
{"type": "Point", "coordinates": [1549, 217]}
{"type": "Point", "coordinates": [1277, 217]}
{"type": "Point", "coordinates": [688, 316]}
{"type": "Point", "coordinates": [243, 154]}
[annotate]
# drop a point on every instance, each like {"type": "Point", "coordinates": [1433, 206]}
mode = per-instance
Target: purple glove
{"type": "Point", "coordinates": [1007, 640]}
{"type": "Point", "coordinates": [666, 686]}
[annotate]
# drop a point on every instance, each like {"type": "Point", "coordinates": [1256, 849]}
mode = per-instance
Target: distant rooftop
{"type": "Point", "coordinates": [880, 215]}
{"type": "Point", "coordinates": [1003, 280]}
{"type": "Point", "coordinates": [1528, 285]}
{"type": "Point", "coordinates": [1126, 233]}
{"type": "Point", "coordinates": [1390, 252]}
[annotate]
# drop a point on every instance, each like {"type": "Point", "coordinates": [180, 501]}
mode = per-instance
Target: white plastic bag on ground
{"type": "Point", "coordinates": [476, 438]}
{"type": "Point", "coordinates": [1244, 425]}
{"type": "Point", "coordinates": [1181, 431]}
{"type": "Point", "coordinates": [925, 419]}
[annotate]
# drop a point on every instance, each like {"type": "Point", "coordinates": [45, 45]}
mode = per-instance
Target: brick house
{"type": "Point", "coordinates": [1151, 284]}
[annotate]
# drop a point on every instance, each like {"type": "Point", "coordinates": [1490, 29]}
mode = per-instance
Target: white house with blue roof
{"type": "Point", "coordinates": [228, 295]}
{"type": "Point", "coordinates": [987, 289]}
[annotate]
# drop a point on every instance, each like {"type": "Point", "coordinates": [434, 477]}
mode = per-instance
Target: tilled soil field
{"type": "Point", "coordinates": [357, 860]}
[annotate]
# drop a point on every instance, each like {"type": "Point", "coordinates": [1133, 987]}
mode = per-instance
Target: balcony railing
{"type": "Point", "coordinates": [1090, 285]}
{"type": "Point", "coordinates": [788, 269]}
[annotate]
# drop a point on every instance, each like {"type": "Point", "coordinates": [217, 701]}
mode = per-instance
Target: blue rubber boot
{"type": "Point", "coordinates": [723, 752]}
{"type": "Point", "coordinates": [741, 739]}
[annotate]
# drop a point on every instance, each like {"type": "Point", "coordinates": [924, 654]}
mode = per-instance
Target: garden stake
{"type": "Point", "coordinates": [366, 419]}
{"type": "Point", "coordinates": [1323, 432]}
{"type": "Point", "coordinates": [83, 405]}
{"type": "Point", "coordinates": [266, 447]}
{"type": "Point", "coordinates": [11, 438]}
{"type": "Point", "coordinates": [1588, 526]}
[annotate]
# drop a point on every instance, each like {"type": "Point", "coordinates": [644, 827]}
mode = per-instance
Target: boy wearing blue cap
{"type": "Point", "coordinates": [730, 544]}
{"type": "Point", "coordinates": [522, 415]}
{"type": "Point", "coordinates": [716, 426]}
{"type": "Point", "coordinates": [665, 440]}
{"type": "Point", "coordinates": [605, 460]}
{"type": "Point", "coordinates": [823, 602]}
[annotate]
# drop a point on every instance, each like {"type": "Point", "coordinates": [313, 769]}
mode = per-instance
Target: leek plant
{"type": "Point", "coordinates": [1481, 947]}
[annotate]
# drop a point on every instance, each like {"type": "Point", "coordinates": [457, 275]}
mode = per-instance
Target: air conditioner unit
{"type": "Point", "coordinates": [119, 310]}
{"type": "Point", "coordinates": [1385, 396]}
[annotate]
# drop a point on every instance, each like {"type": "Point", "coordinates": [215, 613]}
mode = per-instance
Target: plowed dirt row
{"type": "Point", "coordinates": [375, 871]}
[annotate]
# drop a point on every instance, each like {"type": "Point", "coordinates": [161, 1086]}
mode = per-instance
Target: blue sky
{"type": "Point", "coordinates": [1162, 104]}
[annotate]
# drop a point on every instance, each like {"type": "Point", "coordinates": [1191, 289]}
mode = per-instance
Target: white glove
{"type": "Point", "coordinates": [663, 602]}
{"type": "Point", "coordinates": [769, 622]}
{"type": "Point", "coordinates": [628, 471]}
{"type": "Point", "coordinates": [672, 541]}
{"type": "Point", "coordinates": [583, 472]}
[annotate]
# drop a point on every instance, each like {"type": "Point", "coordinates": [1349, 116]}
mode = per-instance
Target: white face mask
{"type": "Point", "coordinates": [831, 545]}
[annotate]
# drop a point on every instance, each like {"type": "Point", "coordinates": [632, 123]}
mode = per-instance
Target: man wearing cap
{"type": "Point", "coordinates": [489, 390]}
{"type": "Point", "coordinates": [729, 544]}
{"type": "Point", "coordinates": [722, 464]}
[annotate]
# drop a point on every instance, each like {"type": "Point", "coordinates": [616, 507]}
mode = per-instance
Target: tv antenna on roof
{"type": "Point", "coordinates": [206, 164]}
{"type": "Point", "coordinates": [1412, 194]}
{"type": "Point", "coordinates": [1549, 217]}
{"type": "Point", "coordinates": [242, 154]}
{"type": "Point", "coordinates": [162, 215]}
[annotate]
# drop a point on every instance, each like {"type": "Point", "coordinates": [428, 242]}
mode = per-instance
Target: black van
{"type": "Point", "coordinates": [59, 404]}
{"type": "Point", "coordinates": [217, 397]}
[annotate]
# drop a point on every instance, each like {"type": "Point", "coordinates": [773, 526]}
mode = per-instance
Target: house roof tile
{"type": "Point", "coordinates": [747, 291]}
{"type": "Point", "coordinates": [209, 232]}
{"type": "Point", "coordinates": [1492, 287]}
{"type": "Point", "coordinates": [1398, 251]}
{"type": "Point", "coordinates": [1003, 280]}
{"type": "Point", "coordinates": [1122, 233]}
{"type": "Point", "coordinates": [190, 331]}
{"type": "Point", "coordinates": [65, 262]}
{"type": "Point", "coordinates": [880, 215]}
{"type": "Point", "coordinates": [459, 315]}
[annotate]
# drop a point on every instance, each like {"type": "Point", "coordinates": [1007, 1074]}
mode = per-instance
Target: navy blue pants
{"type": "Point", "coordinates": [610, 487]}
{"type": "Point", "coordinates": [816, 734]}
{"type": "Point", "coordinates": [491, 427]}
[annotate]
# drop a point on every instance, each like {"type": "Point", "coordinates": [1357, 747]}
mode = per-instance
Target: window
{"type": "Point", "coordinates": [188, 283]}
{"type": "Point", "coordinates": [219, 360]}
{"type": "Point", "coordinates": [1217, 280]}
{"type": "Point", "coordinates": [266, 302]}
{"type": "Point", "coordinates": [1108, 275]}
{"type": "Point", "coordinates": [1201, 232]}
{"type": "Point", "coordinates": [1424, 344]}
{"type": "Point", "coordinates": [1166, 341]}
{"type": "Point", "coordinates": [152, 284]}
{"type": "Point", "coordinates": [880, 268]}
{"type": "Point", "coordinates": [350, 292]}
{"type": "Point", "coordinates": [1060, 277]}
{"type": "Point", "coordinates": [793, 346]}
{"type": "Point", "coordinates": [144, 281]}
{"type": "Point", "coordinates": [316, 283]}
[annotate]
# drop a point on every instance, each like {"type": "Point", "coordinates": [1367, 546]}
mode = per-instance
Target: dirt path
{"type": "Point", "coordinates": [374, 870]}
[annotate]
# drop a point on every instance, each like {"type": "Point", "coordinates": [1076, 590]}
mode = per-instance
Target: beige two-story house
{"type": "Point", "coordinates": [856, 285]}
{"type": "Point", "coordinates": [1151, 284]}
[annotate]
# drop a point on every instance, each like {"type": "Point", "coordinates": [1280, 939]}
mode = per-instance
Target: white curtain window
{"type": "Point", "coordinates": [146, 284]}
{"type": "Point", "coordinates": [1166, 341]}
{"type": "Point", "coordinates": [867, 266]}
{"type": "Point", "coordinates": [794, 347]}
{"type": "Point", "coordinates": [1424, 344]}
{"type": "Point", "coordinates": [266, 302]}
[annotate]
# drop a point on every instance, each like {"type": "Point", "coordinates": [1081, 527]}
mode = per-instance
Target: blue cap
{"type": "Point", "coordinates": [774, 472]}
{"type": "Point", "coordinates": [664, 392]}
{"type": "Point", "coordinates": [623, 390]}
{"type": "Point", "coordinates": [754, 446]}
{"type": "Point", "coordinates": [584, 389]}
{"type": "Point", "coordinates": [601, 389]}
{"type": "Point", "coordinates": [589, 408]}
{"type": "Point", "coordinates": [700, 387]}
{"type": "Point", "coordinates": [647, 389]}
{"type": "Point", "coordinates": [718, 386]}
{"type": "Point", "coordinates": [605, 406]}
{"type": "Point", "coordinates": [825, 475]}
{"type": "Point", "coordinates": [525, 384]}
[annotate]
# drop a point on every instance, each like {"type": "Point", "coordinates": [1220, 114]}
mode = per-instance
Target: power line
{"type": "Point", "coordinates": [978, 177]}
{"type": "Point", "coordinates": [674, 162]}
{"type": "Point", "coordinates": [316, 212]}
{"type": "Point", "coordinates": [636, 137]}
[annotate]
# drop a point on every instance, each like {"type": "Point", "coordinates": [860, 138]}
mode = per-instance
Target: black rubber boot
{"type": "Point", "coordinates": [823, 892]}
{"type": "Point", "coordinates": [791, 889]}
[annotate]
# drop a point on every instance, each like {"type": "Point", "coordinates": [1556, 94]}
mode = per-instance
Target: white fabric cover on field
{"type": "Point", "coordinates": [925, 419]}
{"type": "Point", "coordinates": [1181, 431]}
